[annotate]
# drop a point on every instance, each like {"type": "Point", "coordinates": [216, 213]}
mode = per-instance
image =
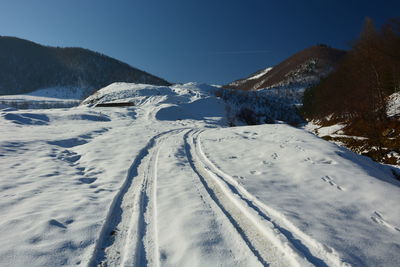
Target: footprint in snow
{"type": "Point", "coordinates": [101, 190]}
{"type": "Point", "coordinates": [377, 217]}
{"type": "Point", "coordinates": [93, 173]}
{"type": "Point", "coordinates": [35, 239]}
{"type": "Point", "coordinates": [309, 159]}
{"type": "Point", "coordinates": [325, 161]}
{"type": "Point", "coordinates": [268, 163]}
{"type": "Point", "coordinates": [68, 156]}
{"type": "Point", "coordinates": [274, 156]}
{"type": "Point", "coordinates": [79, 172]}
{"type": "Point", "coordinates": [331, 182]}
{"type": "Point", "coordinates": [68, 143]}
{"type": "Point", "coordinates": [56, 223]}
{"type": "Point", "coordinates": [244, 136]}
{"type": "Point", "coordinates": [87, 180]}
{"type": "Point", "coordinates": [50, 174]}
{"type": "Point", "coordinates": [320, 161]}
{"type": "Point", "coordinates": [163, 255]}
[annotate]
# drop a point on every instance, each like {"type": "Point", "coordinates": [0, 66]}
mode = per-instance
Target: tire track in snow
{"type": "Point", "coordinates": [264, 242]}
{"type": "Point", "coordinates": [147, 235]}
{"type": "Point", "coordinates": [193, 229]}
{"type": "Point", "coordinates": [130, 224]}
{"type": "Point", "coordinates": [315, 253]}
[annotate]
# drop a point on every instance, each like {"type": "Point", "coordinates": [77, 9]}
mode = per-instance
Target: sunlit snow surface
{"type": "Point", "coordinates": [57, 97]}
{"type": "Point", "coordinates": [164, 183]}
{"type": "Point", "coordinates": [261, 73]}
{"type": "Point", "coordinates": [393, 108]}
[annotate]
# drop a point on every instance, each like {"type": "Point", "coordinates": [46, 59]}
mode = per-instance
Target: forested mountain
{"type": "Point", "coordinates": [26, 66]}
{"type": "Point", "coordinates": [302, 69]}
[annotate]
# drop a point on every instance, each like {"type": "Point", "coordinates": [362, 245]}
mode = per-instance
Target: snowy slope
{"type": "Point", "coordinates": [317, 188]}
{"type": "Point", "coordinates": [60, 93]}
{"type": "Point", "coordinates": [57, 97]}
{"type": "Point", "coordinates": [260, 73]}
{"type": "Point", "coordinates": [164, 183]}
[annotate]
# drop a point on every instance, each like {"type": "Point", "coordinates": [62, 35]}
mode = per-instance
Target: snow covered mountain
{"type": "Point", "coordinates": [164, 182]}
{"type": "Point", "coordinates": [300, 70]}
{"type": "Point", "coordinates": [26, 67]}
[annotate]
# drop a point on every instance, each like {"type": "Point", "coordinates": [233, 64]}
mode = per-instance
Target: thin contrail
{"type": "Point", "coordinates": [240, 52]}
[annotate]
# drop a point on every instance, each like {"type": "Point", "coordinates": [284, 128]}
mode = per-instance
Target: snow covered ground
{"type": "Point", "coordinates": [260, 73]}
{"type": "Point", "coordinates": [164, 183]}
{"type": "Point", "coordinates": [58, 97]}
{"type": "Point", "coordinates": [394, 105]}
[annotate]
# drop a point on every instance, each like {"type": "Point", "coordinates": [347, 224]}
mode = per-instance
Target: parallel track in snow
{"type": "Point", "coordinates": [305, 246]}
{"type": "Point", "coordinates": [131, 223]}
{"type": "Point", "coordinates": [272, 243]}
{"type": "Point", "coordinates": [129, 235]}
{"type": "Point", "coordinates": [255, 235]}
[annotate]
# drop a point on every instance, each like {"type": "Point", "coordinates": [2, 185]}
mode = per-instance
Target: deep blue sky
{"type": "Point", "coordinates": [213, 41]}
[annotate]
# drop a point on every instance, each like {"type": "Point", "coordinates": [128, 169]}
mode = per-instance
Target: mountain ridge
{"type": "Point", "coordinates": [304, 68]}
{"type": "Point", "coordinates": [26, 66]}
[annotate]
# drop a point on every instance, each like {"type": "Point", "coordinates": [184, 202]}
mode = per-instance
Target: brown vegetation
{"type": "Point", "coordinates": [356, 93]}
{"type": "Point", "coordinates": [306, 66]}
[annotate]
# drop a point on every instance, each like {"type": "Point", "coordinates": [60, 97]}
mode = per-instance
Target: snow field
{"type": "Point", "coordinates": [327, 196]}
{"type": "Point", "coordinates": [162, 183]}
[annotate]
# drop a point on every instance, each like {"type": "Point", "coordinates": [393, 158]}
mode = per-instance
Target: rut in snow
{"type": "Point", "coordinates": [131, 220]}
{"type": "Point", "coordinates": [261, 239]}
{"type": "Point", "coordinates": [315, 253]}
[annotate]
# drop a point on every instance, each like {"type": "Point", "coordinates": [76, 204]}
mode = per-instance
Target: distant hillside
{"type": "Point", "coordinates": [302, 69]}
{"type": "Point", "coordinates": [26, 66]}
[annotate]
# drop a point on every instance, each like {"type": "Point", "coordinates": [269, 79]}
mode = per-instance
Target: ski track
{"type": "Point", "coordinates": [130, 228]}
{"type": "Point", "coordinates": [129, 235]}
{"type": "Point", "coordinates": [304, 246]}
{"type": "Point", "coordinates": [261, 240]}
{"type": "Point", "coordinates": [123, 232]}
